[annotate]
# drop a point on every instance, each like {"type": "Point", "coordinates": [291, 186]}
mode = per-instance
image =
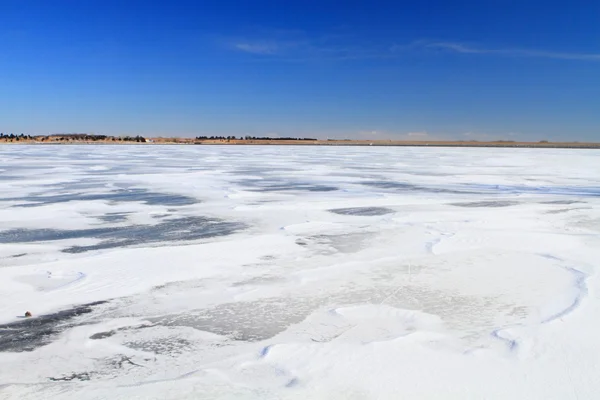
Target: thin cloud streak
{"type": "Point", "coordinates": [257, 48]}
{"type": "Point", "coordinates": [465, 49]}
{"type": "Point", "coordinates": [315, 49]}
{"type": "Point", "coordinates": [309, 50]}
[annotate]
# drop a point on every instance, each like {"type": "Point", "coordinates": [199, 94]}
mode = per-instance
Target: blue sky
{"type": "Point", "coordinates": [513, 70]}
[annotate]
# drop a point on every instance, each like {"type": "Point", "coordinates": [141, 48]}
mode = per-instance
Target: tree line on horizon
{"type": "Point", "coordinates": [247, 137]}
{"type": "Point", "coordinates": [73, 137]}
{"type": "Point", "coordinates": [12, 136]}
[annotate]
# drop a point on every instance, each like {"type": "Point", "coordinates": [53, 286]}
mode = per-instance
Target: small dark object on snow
{"type": "Point", "coordinates": [27, 314]}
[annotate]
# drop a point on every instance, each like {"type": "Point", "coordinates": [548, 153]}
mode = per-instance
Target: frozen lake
{"type": "Point", "coordinates": [299, 272]}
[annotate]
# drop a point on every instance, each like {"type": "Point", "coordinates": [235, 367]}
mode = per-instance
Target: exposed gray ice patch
{"type": "Point", "coordinates": [297, 187]}
{"type": "Point", "coordinates": [108, 334]}
{"type": "Point", "coordinates": [31, 333]}
{"type": "Point", "coordinates": [102, 335]}
{"type": "Point", "coordinates": [491, 203]}
{"type": "Point", "coordinates": [408, 187]}
{"type": "Point", "coordinates": [260, 171]}
{"type": "Point", "coordinates": [164, 341]}
{"type": "Point", "coordinates": [580, 191]}
{"type": "Point", "coordinates": [114, 217]}
{"type": "Point", "coordinates": [167, 231]}
{"type": "Point", "coordinates": [172, 345]}
{"type": "Point", "coordinates": [343, 243]}
{"type": "Point", "coordinates": [76, 185]}
{"type": "Point", "coordinates": [246, 321]}
{"type": "Point", "coordinates": [363, 211]}
{"type": "Point", "coordinates": [161, 216]}
{"type": "Point", "coordinates": [18, 255]}
{"type": "Point", "coordinates": [80, 376]}
{"type": "Point", "coordinates": [106, 368]}
{"type": "Point", "coordinates": [560, 211]}
{"type": "Point", "coordinates": [428, 173]}
{"type": "Point", "coordinates": [564, 202]}
{"type": "Point", "coordinates": [117, 196]}
{"type": "Point", "coordinates": [263, 319]}
{"type": "Point", "coordinates": [268, 185]}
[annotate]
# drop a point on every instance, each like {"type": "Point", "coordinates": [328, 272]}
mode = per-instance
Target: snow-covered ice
{"type": "Point", "coordinates": [268, 272]}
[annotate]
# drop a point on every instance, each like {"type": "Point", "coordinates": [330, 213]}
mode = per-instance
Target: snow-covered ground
{"type": "Point", "coordinates": [299, 272]}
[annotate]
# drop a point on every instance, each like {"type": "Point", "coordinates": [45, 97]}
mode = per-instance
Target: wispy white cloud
{"type": "Point", "coordinates": [417, 134]}
{"type": "Point", "coordinates": [299, 46]}
{"type": "Point", "coordinates": [497, 136]}
{"type": "Point", "coordinates": [512, 52]}
{"type": "Point", "coordinates": [392, 135]}
{"type": "Point", "coordinates": [316, 49]}
{"type": "Point", "coordinates": [257, 47]}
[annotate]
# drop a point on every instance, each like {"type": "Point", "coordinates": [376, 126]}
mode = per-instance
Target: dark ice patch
{"type": "Point", "coordinates": [182, 229]}
{"type": "Point", "coordinates": [113, 217]}
{"type": "Point", "coordinates": [262, 185]}
{"type": "Point", "coordinates": [245, 321]}
{"type": "Point", "coordinates": [9, 177]}
{"type": "Point", "coordinates": [108, 366]}
{"type": "Point", "coordinates": [18, 255]}
{"type": "Point", "coordinates": [296, 187]}
{"type": "Point", "coordinates": [117, 196]}
{"type": "Point", "coordinates": [107, 334]}
{"type": "Point", "coordinates": [408, 187]}
{"type": "Point", "coordinates": [476, 204]}
{"type": "Point", "coordinates": [564, 210]}
{"type": "Point", "coordinates": [82, 376]}
{"type": "Point", "coordinates": [76, 185]}
{"type": "Point", "coordinates": [260, 171]}
{"type": "Point", "coordinates": [102, 335]}
{"type": "Point", "coordinates": [562, 202]}
{"type": "Point", "coordinates": [362, 211]}
{"type": "Point", "coordinates": [581, 191]}
{"type": "Point", "coordinates": [30, 333]}
{"type": "Point", "coordinates": [419, 173]}
{"type": "Point", "coordinates": [161, 216]}
{"type": "Point", "coordinates": [172, 346]}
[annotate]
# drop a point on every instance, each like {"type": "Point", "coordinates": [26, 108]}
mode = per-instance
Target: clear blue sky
{"type": "Point", "coordinates": [380, 69]}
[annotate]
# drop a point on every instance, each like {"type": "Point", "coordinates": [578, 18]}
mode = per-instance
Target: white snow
{"type": "Point", "coordinates": [455, 274]}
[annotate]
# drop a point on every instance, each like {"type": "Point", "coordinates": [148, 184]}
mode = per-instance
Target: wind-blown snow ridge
{"type": "Point", "coordinates": [579, 285]}
{"type": "Point", "coordinates": [80, 276]}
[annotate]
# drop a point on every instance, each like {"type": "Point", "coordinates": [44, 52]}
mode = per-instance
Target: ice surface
{"type": "Point", "coordinates": [119, 195]}
{"type": "Point", "coordinates": [180, 229]}
{"type": "Point", "coordinates": [497, 203]}
{"type": "Point", "coordinates": [363, 211]}
{"type": "Point", "coordinates": [299, 272]}
{"type": "Point", "coordinates": [31, 333]}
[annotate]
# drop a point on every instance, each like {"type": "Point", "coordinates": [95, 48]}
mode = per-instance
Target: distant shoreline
{"type": "Point", "coordinates": [276, 142]}
{"type": "Point", "coordinates": [399, 143]}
